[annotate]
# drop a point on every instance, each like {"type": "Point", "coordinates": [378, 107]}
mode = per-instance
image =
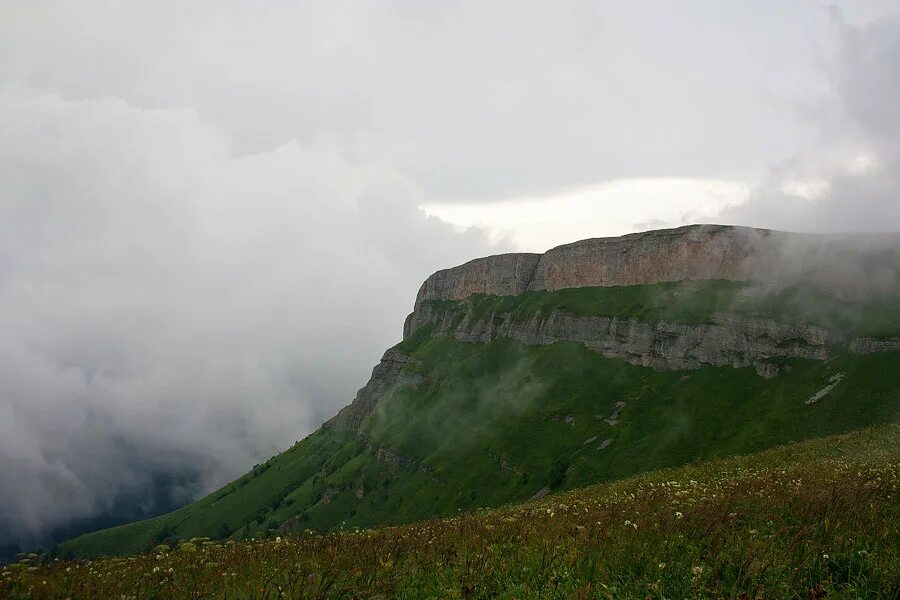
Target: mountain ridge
{"type": "Point", "coordinates": [499, 392]}
{"type": "Point", "coordinates": [841, 262]}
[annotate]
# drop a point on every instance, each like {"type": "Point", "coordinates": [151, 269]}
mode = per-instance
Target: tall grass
{"type": "Point", "coordinates": [802, 521]}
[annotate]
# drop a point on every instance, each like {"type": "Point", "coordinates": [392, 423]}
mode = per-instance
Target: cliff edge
{"type": "Point", "coordinates": [848, 265]}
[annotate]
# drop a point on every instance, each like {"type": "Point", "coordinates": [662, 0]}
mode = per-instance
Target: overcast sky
{"type": "Point", "coordinates": [215, 215]}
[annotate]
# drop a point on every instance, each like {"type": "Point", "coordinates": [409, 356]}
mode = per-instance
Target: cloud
{"type": "Point", "coordinates": [851, 180]}
{"type": "Point", "coordinates": [208, 222]}
{"type": "Point", "coordinates": [173, 310]}
{"type": "Point", "coordinates": [474, 101]}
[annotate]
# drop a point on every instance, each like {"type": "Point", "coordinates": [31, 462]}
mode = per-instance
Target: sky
{"type": "Point", "coordinates": [214, 215]}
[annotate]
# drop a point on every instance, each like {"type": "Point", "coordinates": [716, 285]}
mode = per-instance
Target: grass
{"type": "Point", "coordinates": [801, 521]}
{"type": "Point", "coordinates": [496, 423]}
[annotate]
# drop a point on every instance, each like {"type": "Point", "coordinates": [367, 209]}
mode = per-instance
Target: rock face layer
{"type": "Point", "coordinates": [693, 252]}
{"type": "Point", "coordinates": [850, 266]}
{"type": "Point", "coordinates": [389, 372]}
{"type": "Point", "coordinates": [728, 340]}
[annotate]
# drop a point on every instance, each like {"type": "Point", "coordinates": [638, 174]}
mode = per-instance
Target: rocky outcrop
{"type": "Point", "coordinates": [850, 266]}
{"type": "Point", "coordinates": [870, 345]}
{"type": "Point", "coordinates": [391, 371]}
{"type": "Point", "coordinates": [290, 526]}
{"type": "Point", "coordinates": [728, 340]}
{"type": "Point", "coordinates": [694, 252]}
{"type": "Point", "coordinates": [502, 275]}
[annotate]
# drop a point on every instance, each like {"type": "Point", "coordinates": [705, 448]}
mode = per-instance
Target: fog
{"type": "Point", "coordinates": [209, 229]}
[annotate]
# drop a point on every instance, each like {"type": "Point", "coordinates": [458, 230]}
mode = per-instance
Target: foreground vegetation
{"type": "Point", "coordinates": [801, 521]}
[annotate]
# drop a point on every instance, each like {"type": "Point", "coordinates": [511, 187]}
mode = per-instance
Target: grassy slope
{"type": "Point", "coordinates": [808, 520]}
{"type": "Point", "coordinates": [496, 423]}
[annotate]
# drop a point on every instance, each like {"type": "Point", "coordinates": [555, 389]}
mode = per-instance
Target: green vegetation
{"type": "Point", "coordinates": [489, 424]}
{"type": "Point", "coordinates": [809, 520]}
{"type": "Point", "coordinates": [695, 302]}
{"type": "Point", "coordinates": [484, 425]}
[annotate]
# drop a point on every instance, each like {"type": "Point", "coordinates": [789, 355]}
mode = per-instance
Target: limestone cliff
{"type": "Point", "coordinates": [848, 265]}
{"type": "Point", "coordinates": [728, 340]}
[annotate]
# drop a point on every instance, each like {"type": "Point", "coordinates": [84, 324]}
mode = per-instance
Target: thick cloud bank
{"type": "Point", "coordinates": [851, 180]}
{"type": "Point", "coordinates": [172, 311]}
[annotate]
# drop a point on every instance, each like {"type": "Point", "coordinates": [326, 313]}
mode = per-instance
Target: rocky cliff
{"type": "Point", "coordinates": [728, 340]}
{"type": "Point", "coordinates": [848, 265]}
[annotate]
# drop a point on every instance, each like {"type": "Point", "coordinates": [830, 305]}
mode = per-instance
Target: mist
{"type": "Point", "coordinates": [209, 222]}
{"type": "Point", "coordinates": [173, 313]}
{"type": "Point", "coordinates": [850, 180]}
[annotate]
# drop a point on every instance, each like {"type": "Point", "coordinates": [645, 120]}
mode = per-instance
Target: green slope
{"type": "Point", "coordinates": [809, 520]}
{"type": "Point", "coordinates": [496, 423]}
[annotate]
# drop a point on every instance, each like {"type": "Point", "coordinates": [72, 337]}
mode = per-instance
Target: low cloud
{"type": "Point", "coordinates": [174, 312]}
{"type": "Point", "coordinates": [850, 181]}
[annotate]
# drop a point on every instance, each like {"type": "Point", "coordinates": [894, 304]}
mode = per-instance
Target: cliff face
{"type": "Point", "coordinates": [729, 340]}
{"type": "Point", "coordinates": [694, 252]}
{"type": "Point", "coordinates": [848, 266]}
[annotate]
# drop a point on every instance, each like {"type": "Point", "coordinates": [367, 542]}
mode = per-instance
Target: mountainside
{"type": "Point", "coordinates": [809, 520]}
{"type": "Point", "coordinates": [521, 374]}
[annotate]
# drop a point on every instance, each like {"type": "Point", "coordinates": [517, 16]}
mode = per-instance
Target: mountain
{"type": "Point", "coordinates": [522, 374]}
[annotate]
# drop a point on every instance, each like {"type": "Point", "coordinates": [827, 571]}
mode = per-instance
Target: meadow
{"type": "Point", "coordinates": [809, 520]}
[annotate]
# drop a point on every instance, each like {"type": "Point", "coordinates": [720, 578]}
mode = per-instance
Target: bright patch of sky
{"type": "Point", "coordinates": [535, 224]}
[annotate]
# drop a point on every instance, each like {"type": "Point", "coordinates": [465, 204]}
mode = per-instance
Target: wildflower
{"type": "Point", "coordinates": [825, 556]}
{"type": "Point", "coordinates": [278, 540]}
{"type": "Point", "coordinates": [697, 570]}
{"type": "Point", "coordinates": [678, 515]}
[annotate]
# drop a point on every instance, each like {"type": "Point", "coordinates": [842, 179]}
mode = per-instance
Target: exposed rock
{"type": "Point", "coordinates": [391, 458]}
{"type": "Point", "coordinates": [504, 464]}
{"type": "Point", "coordinates": [869, 345]}
{"type": "Point", "coordinates": [694, 252]}
{"type": "Point", "coordinates": [850, 266]}
{"type": "Point", "coordinates": [727, 340]}
{"type": "Point", "coordinates": [767, 370]}
{"type": "Point", "coordinates": [541, 493]}
{"type": "Point", "coordinates": [832, 382]}
{"type": "Point", "coordinates": [390, 372]}
{"type": "Point", "coordinates": [604, 444]}
{"type": "Point", "coordinates": [501, 275]}
{"type": "Point", "coordinates": [289, 526]}
{"type": "Point", "coordinates": [613, 419]}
